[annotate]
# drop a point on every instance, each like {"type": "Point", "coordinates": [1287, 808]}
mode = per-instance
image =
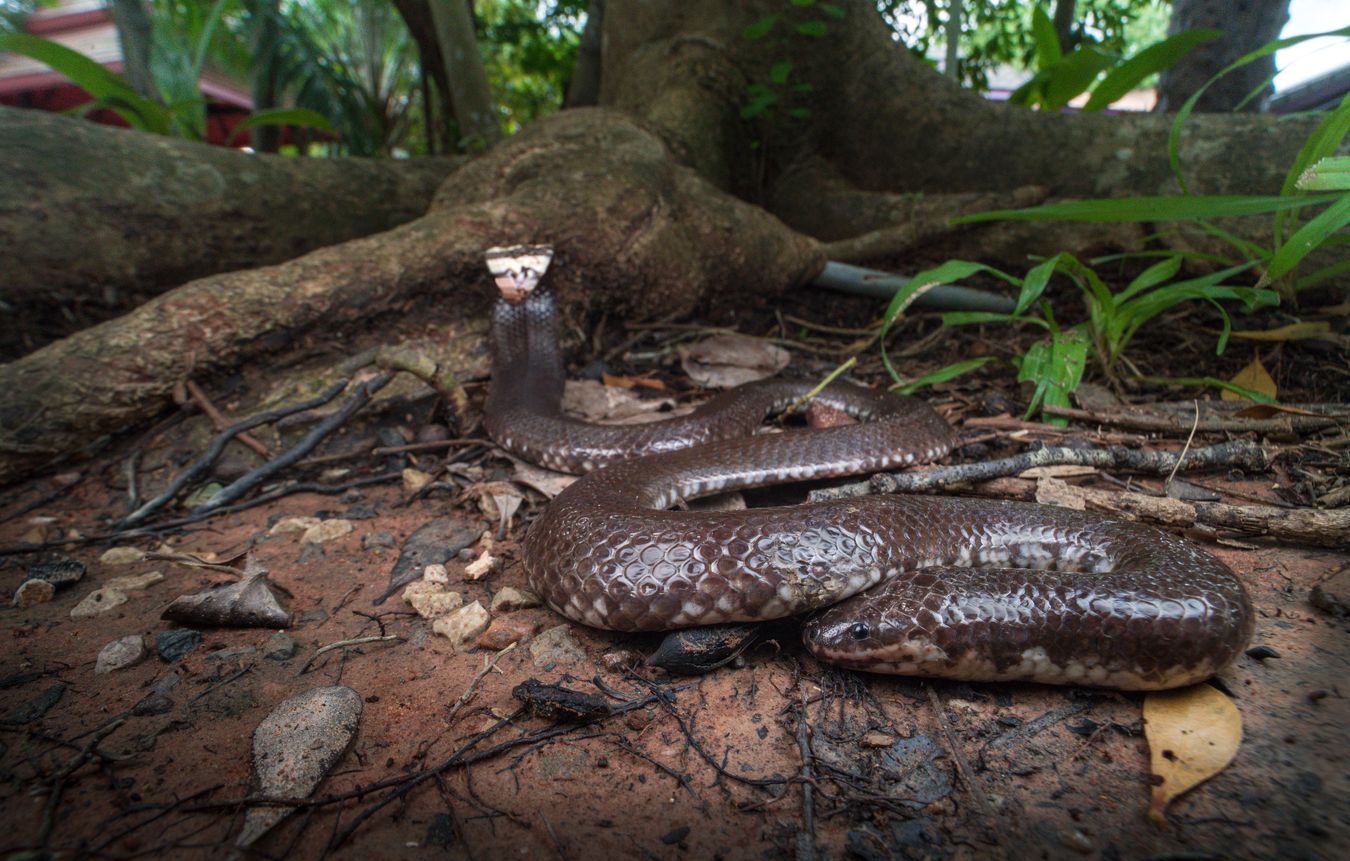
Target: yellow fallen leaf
{"type": "Point", "coordinates": [1292, 332]}
{"type": "Point", "coordinates": [1265, 411]}
{"type": "Point", "coordinates": [1254, 377]}
{"type": "Point", "coordinates": [1193, 733]}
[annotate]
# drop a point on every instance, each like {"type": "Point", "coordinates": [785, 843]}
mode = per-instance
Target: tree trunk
{"type": "Point", "coordinates": [135, 33]}
{"type": "Point", "coordinates": [262, 40]}
{"type": "Point", "coordinates": [1246, 26]}
{"type": "Point", "coordinates": [182, 210]}
{"type": "Point", "coordinates": [475, 110]}
{"type": "Point", "coordinates": [584, 88]}
{"type": "Point", "coordinates": [640, 200]}
{"type": "Point", "coordinates": [416, 15]}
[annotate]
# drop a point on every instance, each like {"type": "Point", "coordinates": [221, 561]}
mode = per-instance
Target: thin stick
{"type": "Point", "coordinates": [340, 644]}
{"type": "Point", "coordinates": [219, 422]}
{"type": "Point", "coordinates": [820, 386]}
{"type": "Point", "coordinates": [1187, 447]}
{"type": "Point", "coordinates": [213, 451]}
{"type": "Point", "coordinates": [311, 440]}
{"type": "Point", "coordinates": [959, 756]}
{"type": "Point", "coordinates": [488, 666]}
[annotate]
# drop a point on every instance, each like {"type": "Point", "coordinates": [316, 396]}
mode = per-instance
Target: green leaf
{"type": "Point", "coordinates": [1151, 277]}
{"type": "Point", "coordinates": [1035, 282]}
{"type": "Point", "coordinates": [1249, 394]}
{"type": "Point", "coordinates": [1048, 50]}
{"type": "Point", "coordinates": [113, 91]}
{"type": "Point", "coordinates": [1032, 92]}
{"type": "Point", "coordinates": [1073, 75]}
{"type": "Point", "coordinates": [800, 113]}
{"type": "Point", "coordinates": [942, 375]}
{"type": "Point", "coordinates": [1151, 60]}
{"type": "Point", "coordinates": [966, 318]}
{"type": "Point", "coordinates": [1056, 367]}
{"type": "Point", "coordinates": [952, 270]}
{"type": "Point", "coordinates": [1174, 136]}
{"type": "Point", "coordinates": [1329, 174]}
{"type": "Point", "coordinates": [758, 105]}
{"type": "Point", "coordinates": [1147, 208]}
{"type": "Point", "coordinates": [779, 72]}
{"type": "Point", "coordinates": [760, 28]}
{"type": "Point", "coordinates": [1324, 141]}
{"type": "Point", "coordinates": [1307, 239]}
{"type": "Point", "coordinates": [832, 10]}
{"type": "Point", "coordinates": [813, 28]}
{"type": "Point", "coordinates": [803, 2]}
{"type": "Point", "coordinates": [283, 117]}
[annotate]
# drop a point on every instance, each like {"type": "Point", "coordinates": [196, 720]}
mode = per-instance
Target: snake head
{"type": "Point", "coordinates": [518, 269]}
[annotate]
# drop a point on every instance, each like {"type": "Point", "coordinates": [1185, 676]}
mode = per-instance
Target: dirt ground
{"type": "Point", "coordinates": [775, 757]}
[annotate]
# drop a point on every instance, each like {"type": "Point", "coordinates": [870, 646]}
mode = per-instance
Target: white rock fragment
{"type": "Point", "coordinates": [556, 646]}
{"type": "Point", "coordinates": [287, 525]}
{"type": "Point", "coordinates": [464, 624]}
{"type": "Point", "coordinates": [97, 602]}
{"type": "Point", "coordinates": [130, 582]}
{"type": "Point", "coordinates": [415, 479]}
{"type": "Point", "coordinates": [120, 654]}
{"type": "Point", "coordinates": [294, 748]}
{"type": "Point", "coordinates": [121, 556]}
{"type": "Point", "coordinates": [509, 599]}
{"type": "Point", "coordinates": [431, 600]}
{"type": "Point", "coordinates": [32, 592]}
{"type": "Point", "coordinates": [482, 566]}
{"type": "Point", "coordinates": [436, 573]}
{"type": "Point", "coordinates": [326, 530]}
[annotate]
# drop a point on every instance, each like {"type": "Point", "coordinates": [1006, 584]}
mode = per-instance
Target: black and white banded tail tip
{"type": "Point", "coordinates": [517, 269]}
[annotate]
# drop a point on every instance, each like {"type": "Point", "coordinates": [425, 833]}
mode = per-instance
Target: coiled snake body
{"type": "Point", "coordinates": [960, 588]}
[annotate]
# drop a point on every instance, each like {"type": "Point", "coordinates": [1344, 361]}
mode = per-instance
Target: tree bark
{"type": "Point", "coordinates": [176, 210]}
{"type": "Point", "coordinates": [584, 88]}
{"type": "Point", "coordinates": [135, 33]}
{"type": "Point", "coordinates": [1246, 26]}
{"type": "Point", "coordinates": [262, 39]}
{"type": "Point", "coordinates": [475, 110]}
{"type": "Point", "coordinates": [416, 15]}
{"type": "Point", "coordinates": [632, 229]}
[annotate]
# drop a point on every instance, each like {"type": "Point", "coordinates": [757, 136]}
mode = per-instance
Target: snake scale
{"type": "Point", "coordinates": [969, 589]}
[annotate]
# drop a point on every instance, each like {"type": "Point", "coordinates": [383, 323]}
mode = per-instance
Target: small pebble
{"type": "Point", "coordinates": [1076, 840]}
{"type": "Point", "coordinates": [279, 647]}
{"type": "Point", "coordinates": [436, 573]}
{"type": "Point", "coordinates": [98, 601]}
{"type": "Point", "coordinates": [464, 624]}
{"type": "Point", "coordinates": [58, 574]}
{"type": "Point", "coordinates": [120, 654]}
{"type": "Point", "coordinates": [154, 704]}
{"type": "Point", "coordinates": [504, 631]}
{"type": "Point", "coordinates": [482, 566]}
{"type": "Point", "coordinates": [230, 653]}
{"type": "Point", "coordinates": [377, 540]}
{"type": "Point", "coordinates": [121, 556]}
{"type": "Point", "coordinates": [415, 479]}
{"type": "Point", "coordinates": [509, 599]}
{"type": "Point", "coordinates": [327, 530]}
{"type": "Point", "coordinates": [173, 645]}
{"type": "Point", "coordinates": [287, 525]}
{"type": "Point", "coordinates": [465, 554]}
{"type": "Point", "coordinates": [433, 433]}
{"type": "Point", "coordinates": [877, 738]}
{"type": "Point", "coordinates": [431, 600]}
{"type": "Point", "coordinates": [1261, 653]}
{"type": "Point", "coordinates": [621, 660]}
{"type": "Point", "coordinates": [556, 646]}
{"type": "Point", "coordinates": [130, 582]}
{"type": "Point", "coordinates": [32, 592]}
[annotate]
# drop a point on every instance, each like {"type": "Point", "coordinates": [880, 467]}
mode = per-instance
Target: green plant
{"type": "Point", "coordinates": [766, 98]}
{"type": "Point", "coordinates": [1056, 364]}
{"type": "Point", "coordinates": [1062, 76]}
{"type": "Point", "coordinates": [181, 117]}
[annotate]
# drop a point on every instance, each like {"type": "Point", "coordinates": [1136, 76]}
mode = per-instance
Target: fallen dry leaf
{"type": "Point", "coordinates": [1193, 733]}
{"type": "Point", "coordinates": [1254, 377]}
{"type": "Point", "coordinates": [1292, 332]}
{"type": "Point", "coordinates": [595, 402]}
{"type": "Point", "coordinates": [631, 382]}
{"type": "Point", "coordinates": [726, 361]}
{"type": "Point", "coordinates": [1265, 411]}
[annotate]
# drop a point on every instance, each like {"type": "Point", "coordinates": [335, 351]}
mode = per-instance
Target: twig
{"type": "Point", "coordinates": [340, 644]}
{"type": "Point", "coordinates": [58, 780]}
{"type": "Point", "coordinates": [1187, 447]}
{"type": "Point", "coordinates": [311, 440]}
{"type": "Point", "coordinates": [488, 666]}
{"type": "Point", "coordinates": [820, 386]}
{"type": "Point", "coordinates": [1289, 424]}
{"type": "Point", "coordinates": [218, 420]}
{"type": "Point", "coordinates": [806, 838]}
{"type": "Point", "coordinates": [959, 756]}
{"type": "Point", "coordinates": [1237, 453]}
{"type": "Point", "coordinates": [218, 445]}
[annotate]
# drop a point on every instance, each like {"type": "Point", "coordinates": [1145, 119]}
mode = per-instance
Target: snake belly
{"type": "Point", "coordinates": [931, 586]}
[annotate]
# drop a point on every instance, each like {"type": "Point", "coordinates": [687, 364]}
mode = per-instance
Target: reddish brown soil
{"type": "Point", "coordinates": [1015, 771]}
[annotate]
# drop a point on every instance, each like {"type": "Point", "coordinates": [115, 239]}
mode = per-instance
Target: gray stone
{"type": "Point", "coordinates": [154, 704]}
{"type": "Point", "coordinates": [36, 707]}
{"type": "Point", "coordinates": [294, 748]}
{"type": "Point", "coordinates": [279, 647]}
{"type": "Point", "coordinates": [556, 646]}
{"type": "Point", "coordinates": [377, 540]}
{"type": "Point", "coordinates": [173, 645]}
{"type": "Point", "coordinates": [58, 574]}
{"type": "Point", "coordinates": [120, 654]}
{"type": "Point", "coordinates": [32, 592]}
{"type": "Point", "coordinates": [231, 652]}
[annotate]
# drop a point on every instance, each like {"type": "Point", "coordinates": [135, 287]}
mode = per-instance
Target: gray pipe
{"type": "Point", "coordinates": [861, 281]}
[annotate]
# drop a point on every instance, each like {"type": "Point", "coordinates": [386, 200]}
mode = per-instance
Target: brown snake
{"type": "Point", "coordinates": [959, 588]}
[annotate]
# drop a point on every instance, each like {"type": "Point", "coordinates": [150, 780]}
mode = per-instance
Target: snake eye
{"type": "Point", "coordinates": [860, 631]}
